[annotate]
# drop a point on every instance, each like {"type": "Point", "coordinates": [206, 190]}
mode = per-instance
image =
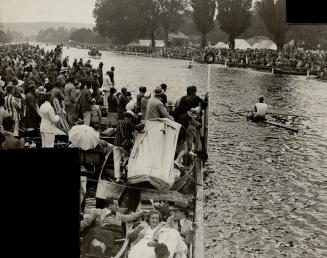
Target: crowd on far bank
{"type": "Point", "coordinates": [289, 58]}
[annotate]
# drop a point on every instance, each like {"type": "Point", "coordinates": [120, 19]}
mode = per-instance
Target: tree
{"type": "Point", "coordinates": [150, 13]}
{"type": "Point", "coordinates": [308, 36]}
{"type": "Point", "coordinates": [273, 14]}
{"type": "Point", "coordinates": [117, 19]}
{"type": "Point", "coordinates": [171, 15]}
{"type": "Point", "coordinates": [82, 35]}
{"type": "Point", "coordinates": [203, 16]}
{"type": "Point", "coordinates": [234, 17]}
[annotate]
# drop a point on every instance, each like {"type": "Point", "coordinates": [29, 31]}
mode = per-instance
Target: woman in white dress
{"type": "Point", "coordinates": [150, 232]}
{"type": "Point", "coordinates": [49, 119]}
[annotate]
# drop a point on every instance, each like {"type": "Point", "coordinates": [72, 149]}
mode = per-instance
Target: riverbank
{"type": "Point", "coordinates": [271, 61]}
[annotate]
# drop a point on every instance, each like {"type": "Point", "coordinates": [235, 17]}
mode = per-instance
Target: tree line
{"type": "Point", "coordinates": [127, 20]}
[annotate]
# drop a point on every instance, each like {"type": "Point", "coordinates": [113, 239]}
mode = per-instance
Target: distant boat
{"type": "Point", "coordinates": [94, 53]}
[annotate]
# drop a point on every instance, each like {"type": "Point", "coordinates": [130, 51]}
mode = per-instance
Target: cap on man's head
{"type": "Point", "coordinates": [158, 91]}
{"type": "Point", "coordinates": [123, 90]}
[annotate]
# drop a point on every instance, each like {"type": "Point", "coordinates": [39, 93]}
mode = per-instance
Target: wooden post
{"type": "Point", "coordinates": [198, 250]}
{"type": "Point", "coordinates": [308, 73]}
{"type": "Point", "coordinates": [273, 70]}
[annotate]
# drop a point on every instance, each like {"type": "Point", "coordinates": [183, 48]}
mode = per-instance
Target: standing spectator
{"type": "Point", "coordinates": [70, 100]}
{"type": "Point", "coordinates": [155, 107]}
{"type": "Point", "coordinates": [122, 102]}
{"type": "Point", "coordinates": [123, 141]}
{"type": "Point", "coordinates": [139, 97]}
{"type": "Point", "coordinates": [13, 106]}
{"type": "Point", "coordinates": [49, 119]}
{"type": "Point", "coordinates": [100, 73]}
{"type": "Point", "coordinates": [32, 119]}
{"type": "Point", "coordinates": [164, 96]}
{"type": "Point", "coordinates": [96, 116]}
{"type": "Point", "coordinates": [3, 113]}
{"type": "Point", "coordinates": [112, 108]}
{"type": "Point", "coordinates": [106, 85]}
{"type": "Point", "coordinates": [144, 103]}
{"type": "Point", "coordinates": [86, 103]}
{"type": "Point", "coordinates": [111, 74]}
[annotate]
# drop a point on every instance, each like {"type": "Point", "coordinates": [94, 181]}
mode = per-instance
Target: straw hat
{"type": "Point", "coordinates": [41, 89]}
{"type": "Point", "coordinates": [129, 113]}
{"type": "Point", "coordinates": [194, 112]}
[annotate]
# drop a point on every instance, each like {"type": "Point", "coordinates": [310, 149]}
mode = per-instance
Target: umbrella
{"type": "Point", "coordinates": [84, 137]}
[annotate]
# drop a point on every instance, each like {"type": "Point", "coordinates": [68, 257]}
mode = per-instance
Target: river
{"type": "Point", "coordinates": [265, 187]}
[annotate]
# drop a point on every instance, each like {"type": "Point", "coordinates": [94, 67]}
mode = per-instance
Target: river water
{"type": "Point", "coordinates": [265, 187]}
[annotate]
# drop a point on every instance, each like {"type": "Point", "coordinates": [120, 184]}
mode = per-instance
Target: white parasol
{"type": "Point", "coordinates": [84, 137]}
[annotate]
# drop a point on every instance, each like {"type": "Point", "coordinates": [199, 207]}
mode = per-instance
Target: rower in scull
{"type": "Point", "coordinates": [260, 110]}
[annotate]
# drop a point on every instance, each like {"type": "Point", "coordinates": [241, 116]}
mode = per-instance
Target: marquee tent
{"type": "Point", "coordinates": [242, 44]}
{"type": "Point", "coordinates": [265, 44]}
{"type": "Point", "coordinates": [220, 45]}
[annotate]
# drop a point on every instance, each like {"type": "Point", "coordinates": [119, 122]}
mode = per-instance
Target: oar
{"type": "Point", "coordinates": [272, 113]}
{"type": "Point", "coordinates": [275, 124]}
{"type": "Point", "coordinates": [230, 113]}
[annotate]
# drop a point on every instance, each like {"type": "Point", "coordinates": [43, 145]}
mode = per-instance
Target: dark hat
{"type": "Point", "coordinates": [158, 91]}
{"type": "Point", "coordinates": [112, 90]}
{"type": "Point", "coordinates": [178, 205]}
{"type": "Point", "coordinates": [31, 85]}
{"type": "Point", "coordinates": [124, 90]}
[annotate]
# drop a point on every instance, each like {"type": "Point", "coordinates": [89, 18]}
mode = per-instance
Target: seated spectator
{"type": "Point", "coordinates": [100, 228]}
{"type": "Point", "coordinates": [179, 220]}
{"type": "Point", "coordinates": [8, 141]}
{"type": "Point", "coordinates": [152, 230]}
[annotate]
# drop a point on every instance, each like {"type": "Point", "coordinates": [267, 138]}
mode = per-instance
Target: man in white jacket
{"type": "Point", "coordinates": [106, 85]}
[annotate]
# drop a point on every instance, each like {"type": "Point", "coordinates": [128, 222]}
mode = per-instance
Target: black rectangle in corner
{"type": "Point", "coordinates": [40, 202]}
{"type": "Point", "coordinates": [306, 12]}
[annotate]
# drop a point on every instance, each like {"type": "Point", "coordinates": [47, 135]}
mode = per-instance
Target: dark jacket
{"type": "Point", "coordinates": [122, 102]}
{"type": "Point", "coordinates": [112, 104]}
{"type": "Point", "coordinates": [32, 119]}
{"type": "Point", "coordinates": [85, 100]}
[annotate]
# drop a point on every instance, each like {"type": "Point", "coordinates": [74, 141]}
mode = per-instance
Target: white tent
{"type": "Point", "coordinates": [242, 44]}
{"type": "Point", "coordinates": [178, 35]}
{"type": "Point", "coordinates": [265, 44]}
{"type": "Point", "coordinates": [220, 45]}
{"type": "Point", "coordinates": [147, 43]}
{"type": "Point", "coordinates": [256, 39]}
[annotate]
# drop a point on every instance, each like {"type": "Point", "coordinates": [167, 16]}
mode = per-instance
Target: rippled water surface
{"type": "Point", "coordinates": [265, 187]}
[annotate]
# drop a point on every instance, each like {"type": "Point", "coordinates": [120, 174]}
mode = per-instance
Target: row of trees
{"type": "Point", "coordinates": [54, 36]}
{"type": "Point", "coordinates": [126, 20]}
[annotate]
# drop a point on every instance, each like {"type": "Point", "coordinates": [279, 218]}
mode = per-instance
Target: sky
{"type": "Point", "coordinates": [79, 11]}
